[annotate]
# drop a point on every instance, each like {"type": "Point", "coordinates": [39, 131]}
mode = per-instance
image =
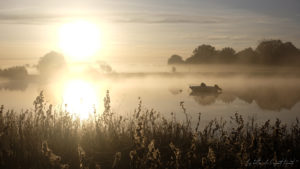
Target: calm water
{"type": "Point", "coordinates": [264, 97]}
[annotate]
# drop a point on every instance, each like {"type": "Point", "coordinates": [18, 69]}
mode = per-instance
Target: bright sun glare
{"type": "Point", "coordinates": [80, 98]}
{"type": "Point", "coordinates": [79, 40]}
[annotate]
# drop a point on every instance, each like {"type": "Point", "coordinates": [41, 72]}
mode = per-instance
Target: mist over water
{"type": "Point", "coordinates": [260, 92]}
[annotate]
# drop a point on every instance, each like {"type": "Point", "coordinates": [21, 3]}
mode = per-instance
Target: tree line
{"type": "Point", "coordinates": [16, 72]}
{"type": "Point", "coordinates": [268, 52]}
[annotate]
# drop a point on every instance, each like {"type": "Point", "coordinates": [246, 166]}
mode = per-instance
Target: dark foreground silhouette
{"type": "Point", "coordinates": [47, 138]}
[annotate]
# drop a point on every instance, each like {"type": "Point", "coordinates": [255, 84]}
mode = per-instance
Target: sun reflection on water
{"type": "Point", "coordinates": [80, 98]}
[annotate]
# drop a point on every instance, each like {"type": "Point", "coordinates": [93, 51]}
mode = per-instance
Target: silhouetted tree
{"type": "Point", "coordinates": [175, 59]}
{"type": "Point", "coordinates": [203, 54]}
{"type": "Point", "coordinates": [227, 55]}
{"type": "Point", "coordinates": [276, 52]}
{"type": "Point", "coordinates": [51, 63]}
{"type": "Point", "coordinates": [248, 56]}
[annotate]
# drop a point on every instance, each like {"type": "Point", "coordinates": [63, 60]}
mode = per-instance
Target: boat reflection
{"type": "Point", "coordinates": [205, 98]}
{"type": "Point", "coordinates": [275, 98]}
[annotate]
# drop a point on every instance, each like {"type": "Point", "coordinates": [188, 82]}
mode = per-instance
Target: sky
{"type": "Point", "coordinates": [147, 31]}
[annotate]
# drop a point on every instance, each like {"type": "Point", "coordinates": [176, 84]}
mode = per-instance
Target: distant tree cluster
{"type": "Point", "coordinates": [104, 67]}
{"type": "Point", "coordinates": [51, 63]}
{"type": "Point", "coordinates": [17, 72]}
{"type": "Point", "coordinates": [175, 59]}
{"type": "Point", "coordinates": [268, 52]}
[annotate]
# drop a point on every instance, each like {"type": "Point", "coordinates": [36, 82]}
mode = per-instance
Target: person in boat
{"type": "Point", "coordinates": [203, 85]}
{"type": "Point", "coordinates": [217, 87]}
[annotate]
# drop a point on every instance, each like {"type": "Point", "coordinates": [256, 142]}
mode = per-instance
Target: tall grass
{"type": "Point", "coordinates": [49, 138]}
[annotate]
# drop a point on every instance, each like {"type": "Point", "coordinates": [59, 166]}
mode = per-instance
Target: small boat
{"type": "Point", "coordinates": [206, 89]}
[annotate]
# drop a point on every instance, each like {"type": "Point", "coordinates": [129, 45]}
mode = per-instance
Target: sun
{"type": "Point", "coordinates": [79, 40]}
{"type": "Point", "coordinates": [80, 98]}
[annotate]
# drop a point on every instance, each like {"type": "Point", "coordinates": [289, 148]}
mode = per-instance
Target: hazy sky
{"type": "Point", "coordinates": [151, 31]}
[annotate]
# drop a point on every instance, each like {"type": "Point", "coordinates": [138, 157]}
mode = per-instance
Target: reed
{"type": "Point", "coordinates": [48, 138]}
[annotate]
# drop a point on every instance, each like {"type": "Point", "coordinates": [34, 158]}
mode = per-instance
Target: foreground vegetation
{"type": "Point", "coordinates": [48, 138]}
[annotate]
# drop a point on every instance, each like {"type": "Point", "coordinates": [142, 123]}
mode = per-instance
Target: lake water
{"type": "Point", "coordinates": [259, 95]}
